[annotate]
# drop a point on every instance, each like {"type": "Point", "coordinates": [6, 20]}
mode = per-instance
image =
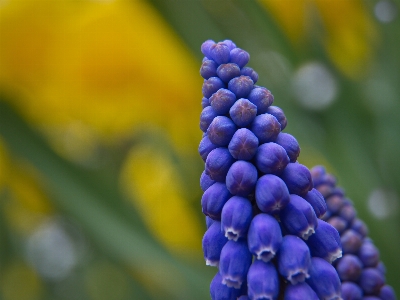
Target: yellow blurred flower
{"type": "Point", "coordinates": [26, 203]}
{"type": "Point", "coordinates": [155, 186]}
{"type": "Point", "coordinates": [20, 282]}
{"type": "Point", "coordinates": [113, 66]}
{"type": "Point", "coordinates": [346, 28]}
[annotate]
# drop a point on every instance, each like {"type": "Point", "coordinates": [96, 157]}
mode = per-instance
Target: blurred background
{"type": "Point", "coordinates": [99, 129]}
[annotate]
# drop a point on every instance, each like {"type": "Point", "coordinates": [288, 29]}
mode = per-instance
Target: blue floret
{"type": "Point", "coordinates": [243, 145]}
{"type": "Point", "coordinates": [264, 237]}
{"type": "Point", "coordinates": [213, 241]}
{"type": "Point", "coordinates": [298, 217]}
{"type": "Point", "coordinates": [236, 217]}
{"type": "Point", "coordinates": [221, 131]}
{"type": "Point", "coordinates": [263, 281]}
{"type": "Point", "coordinates": [222, 101]}
{"type": "Point", "coordinates": [243, 112]}
{"type": "Point", "coordinates": [241, 86]}
{"type": "Point", "coordinates": [272, 194]}
{"type": "Point", "coordinates": [211, 85]}
{"type": "Point", "coordinates": [294, 265]}
{"type": "Point", "coordinates": [262, 98]}
{"type": "Point", "coordinates": [208, 69]}
{"type": "Point", "coordinates": [239, 57]}
{"type": "Point", "coordinates": [241, 178]}
{"type": "Point", "coordinates": [234, 263]}
{"type": "Point", "coordinates": [228, 71]}
{"type": "Point", "coordinates": [271, 158]}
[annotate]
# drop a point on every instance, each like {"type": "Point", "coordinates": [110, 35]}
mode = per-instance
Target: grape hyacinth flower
{"type": "Point", "coordinates": [360, 269]}
{"type": "Point", "coordinates": [271, 230]}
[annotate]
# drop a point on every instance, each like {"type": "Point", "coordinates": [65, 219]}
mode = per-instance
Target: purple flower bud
{"type": "Point", "coordinates": [221, 130]}
{"type": "Point", "coordinates": [243, 145]}
{"type": "Point", "coordinates": [317, 172]}
{"type": "Point", "coordinates": [351, 241]}
{"type": "Point", "coordinates": [228, 71]}
{"type": "Point", "coordinates": [324, 280]}
{"type": "Point", "coordinates": [222, 101]}
{"type": "Point", "coordinates": [241, 86]}
{"type": "Point", "coordinates": [381, 268]}
{"type": "Point", "coordinates": [220, 53]}
{"type": "Point", "coordinates": [220, 291]}
{"type": "Point", "coordinates": [339, 224]}
{"type": "Point", "coordinates": [290, 144]}
{"type": "Point", "coordinates": [249, 72]}
{"type": "Point", "coordinates": [236, 217]}
{"type": "Point", "coordinates": [211, 85]}
{"type": "Point", "coordinates": [266, 128]}
{"type": "Point", "coordinates": [278, 114]}
{"type": "Point", "coordinates": [294, 259]}
{"type": "Point", "coordinates": [298, 217]}
{"type": "Point", "coordinates": [368, 254]}
{"type": "Point", "coordinates": [271, 158]}
{"type": "Point", "coordinates": [371, 281]}
{"type": "Point", "coordinates": [206, 117]}
{"type": "Point", "coordinates": [235, 261]}
{"type": "Point", "coordinates": [239, 57]}
{"type": "Point", "coordinates": [231, 45]}
{"type": "Point", "coordinates": [262, 98]}
{"type": "Point", "coordinates": [208, 69]}
{"type": "Point", "coordinates": [317, 202]}
{"type": "Point", "coordinates": [214, 199]}
{"type": "Point", "coordinates": [262, 281]}
{"type": "Point", "coordinates": [241, 178]}
{"type": "Point", "coordinates": [329, 179]}
{"type": "Point", "coordinates": [272, 194]}
{"type": "Point", "coordinates": [297, 178]}
{"type": "Point", "coordinates": [205, 47]}
{"type": "Point", "coordinates": [205, 147]}
{"type": "Point", "coordinates": [348, 212]}
{"type": "Point", "coordinates": [334, 203]}
{"type": "Point", "coordinates": [325, 242]}
{"type": "Point", "coordinates": [326, 191]}
{"type": "Point", "coordinates": [349, 267]}
{"type": "Point", "coordinates": [205, 181]}
{"type": "Point", "coordinates": [243, 112]}
{"type": "Point", "coordinates": [351, 291]}
{"type": "Point", "coordinates": [300, 291]}
{"type": "Point", "coordinates": [209, 222]}
{"type": "Point", "coordinates": [387, 293]}
{"type": "Point", "coordinates": [360, 227]}
{"type": "Point", "coordinates": [213, 241]}
{"type": "Point", "coordinates": [264, 237]}
{"type": "Point", "coordinates": [205, 102]}
{"type": "Point", "coordinates": [218, 163]}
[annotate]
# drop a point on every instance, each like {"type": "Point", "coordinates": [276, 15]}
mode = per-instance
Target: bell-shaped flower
{"type": "Point", "coordinates": [294, 259]}
{"type": "Point", "coordinates": [298, 217]}
{"type": "Point", "coordinates": [213, 241]}
{"type": "Point", "coordinates": [262, 281]}
{"type": "Point", "coordinates": [271, 194]}
{"type": "Point", "coordinates": [325, 242]}
{"type": "Point", "coordinates": [236, 217]}
{"type": "Point", "coordinates": [234, 263]}
{"type": "Point", "coordinates": [324, 280]}
{"type": "Point", "coordinates": [264, 237]}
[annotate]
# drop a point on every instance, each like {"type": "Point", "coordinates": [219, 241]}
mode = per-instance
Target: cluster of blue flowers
{"type": "Point", "coordinates": [360, 270]}
{"type": "Point", "coordinates": [264, 228]}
